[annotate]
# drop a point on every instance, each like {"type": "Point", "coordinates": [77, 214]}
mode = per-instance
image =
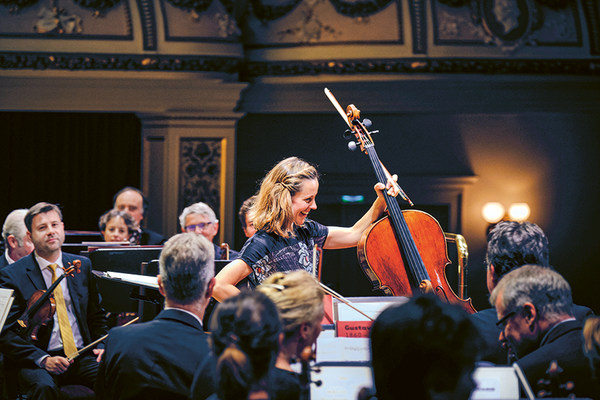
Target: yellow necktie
{"type": "Point", "coordinates": [66, 333]}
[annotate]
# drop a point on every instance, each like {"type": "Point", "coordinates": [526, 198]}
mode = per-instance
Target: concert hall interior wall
{"type": "Point", "coordinates": [194, 101]}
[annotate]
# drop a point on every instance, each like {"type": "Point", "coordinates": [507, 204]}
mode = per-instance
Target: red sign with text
{"type": "Point", "coordinates": [353, 328]}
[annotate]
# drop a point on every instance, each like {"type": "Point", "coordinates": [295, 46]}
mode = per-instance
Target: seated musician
{"type": "Point", "coordinates": [299, 299]}
{"type": "Point", "coordinates": [286, 237]}
{"type": "Point", "coordinates": [133, 201]}
{"type": "Point", "coordinates": [511, 245]}
{"type": "Point", "coordinates": [16, 242]}
{"type": "Point", "coordinates": [245, 335]}
{"type": "Point", "coordinates": [201, 219]}
{"type": "Point", "coordinates": [244, 217]}
{"type": "Point", "coordinates": [117, 226]}
{"type": "Point", "coordinates": [591, 340]}
{"type": "Point", "coordinates": [424, 349]}
{"type": "Point", "coordinates": [43, 365]}
{"type": "Point", "coordinates": [535, 315]}
{"type": "Point", "coordinates": [157, 359]}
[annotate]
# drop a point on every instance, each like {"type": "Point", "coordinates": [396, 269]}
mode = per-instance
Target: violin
{"type": "Point", "coordinates": [41, 306]}
{"type": "Point", "coordinates": [405, 251]}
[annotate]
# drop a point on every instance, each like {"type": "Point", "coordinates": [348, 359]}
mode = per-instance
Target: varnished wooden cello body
{"type": "Point", "coordinates": [405, 252]}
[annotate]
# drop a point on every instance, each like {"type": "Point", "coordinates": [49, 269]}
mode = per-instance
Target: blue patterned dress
{"type": "Point", "coordinates": [267, 253]}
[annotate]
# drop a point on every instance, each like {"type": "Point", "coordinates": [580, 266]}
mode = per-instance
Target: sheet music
{"type": "Point", "coordinates": [6, 300]}
{"type": "Point", "coordinates": [141, 280]}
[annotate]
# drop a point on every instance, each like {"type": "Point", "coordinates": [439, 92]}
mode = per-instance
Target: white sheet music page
{"type": "Point", "coordinates": [6, 300]}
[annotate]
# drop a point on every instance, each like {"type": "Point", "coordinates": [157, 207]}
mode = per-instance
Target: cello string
{"type": "Point", "coordinates": [415, 263]}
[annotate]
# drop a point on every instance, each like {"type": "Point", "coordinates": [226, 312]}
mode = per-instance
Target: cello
{"type": "Point", "coordinates": [404, 252]}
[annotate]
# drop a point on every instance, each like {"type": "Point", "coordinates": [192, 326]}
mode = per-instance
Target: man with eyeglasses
{"type": "Point", "coordinates": [511, 245]}
{"type": "Point", "coordinates": [535, 315]}
{"type": "Point", "coordinates": [201, 219]}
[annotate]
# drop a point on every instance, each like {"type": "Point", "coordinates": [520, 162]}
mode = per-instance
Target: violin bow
{"type": "Point", "coordinates": [343, 300]}
{"type": "Point", "coordinates": [95, 342]}
{"type": "Point", "coordinates": [346, 119]}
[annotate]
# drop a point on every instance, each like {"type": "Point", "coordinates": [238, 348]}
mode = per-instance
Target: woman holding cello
{"type": "Point", "coordinates": [286, 236]}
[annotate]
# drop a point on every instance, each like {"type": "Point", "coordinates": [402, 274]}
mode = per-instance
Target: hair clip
{"type": "Point", "coordinates": [273, 285]}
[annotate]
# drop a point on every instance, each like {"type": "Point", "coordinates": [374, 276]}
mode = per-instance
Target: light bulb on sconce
{"type": "Point", "coordinates": [519, 212]}
{"type": "Point", "coordinates": [494, 212]}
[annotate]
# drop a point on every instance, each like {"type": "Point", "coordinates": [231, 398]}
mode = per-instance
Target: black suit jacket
{"type": "Point", "coordinates": [149, 237]}
{"type": "Point", "coordinates": [3, 261]}
{"type": "Point", "coordinates": [25, 278]}
{"type": "Point", "coordinates": [155, 359]}
{"type": "Point", "coordinates": [563, 343]}
{"type": "Point", "coordinates": [485, 320]}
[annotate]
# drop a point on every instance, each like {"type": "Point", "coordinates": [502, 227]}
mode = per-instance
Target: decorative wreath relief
{"type": "Point", "coordinates": [57, 20]}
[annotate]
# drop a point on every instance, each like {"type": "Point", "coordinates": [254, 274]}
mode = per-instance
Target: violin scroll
{"type": "Point", "coordinates": [74, 268]}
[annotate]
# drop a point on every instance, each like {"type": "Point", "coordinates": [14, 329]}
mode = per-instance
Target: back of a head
{"type": "Point", "coordinates": [513, 244]}
{"type": "Point", "coordinates": [297, 295]}
{"type": "Point", "coordinates": [186, 267]}
{"type": "Point", "coordinates": [245, 337]}
{"type": "Point", "coordinates": [422, 347]}
{"type": "Point", "coordinates": [14, 224]}
{"type": "Point", "coordinates": [591, 340]}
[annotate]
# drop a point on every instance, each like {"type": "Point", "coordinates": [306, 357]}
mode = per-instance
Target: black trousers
{"type": "Point", "coordinates": [38, 383]}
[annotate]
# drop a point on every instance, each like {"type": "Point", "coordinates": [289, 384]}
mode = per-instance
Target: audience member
{"type": "Point", "coordinates": [299, 299]}
{"type": "Point", "coordinates": [246, 331]}
{"type": "Point", "coordinates": [244, 216]}
{"type": "Point", "coordinates": [535, 314]}
{"type": "Point", "coordinates": [133, 201]}
{"type": "Point", "coordinates": [157, 359]}
{"type": "Point", "coordinates": [286, 237]}
{"type": "Point", "coordinates": [117, 226]}
{"type": "Point", "coordinates": [424, 349]}
{"type": "Point", "coordinates": [511, 245]}
{"type": "Point", "coordinates": [17, 243]}
{"type": "Point", "coordinates": [42, 365]}
{"type": "Point", "coordinates": [591, 341]}
{"type": "Point", "coordinates": [201, 219]}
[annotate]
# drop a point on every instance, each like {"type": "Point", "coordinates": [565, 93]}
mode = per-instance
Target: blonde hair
{"type": "Point", "coordinates": [591, 339]}
{"type": "Point", "coordinates": [298, 297]}
{"type": "Point", "coordinates": [272, 210]}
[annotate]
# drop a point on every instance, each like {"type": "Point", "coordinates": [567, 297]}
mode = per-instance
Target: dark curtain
{"type": "Point", "coordinates": [76, 160]}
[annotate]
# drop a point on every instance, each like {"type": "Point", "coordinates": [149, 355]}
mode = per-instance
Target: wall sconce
{"type": "Point", "coordinates": [494, 212]}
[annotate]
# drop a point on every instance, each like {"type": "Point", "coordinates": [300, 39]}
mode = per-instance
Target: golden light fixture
{"type": "Point", "coordinates": [493, 212]}
{"type": "Point", "coordinates": [519, 212]}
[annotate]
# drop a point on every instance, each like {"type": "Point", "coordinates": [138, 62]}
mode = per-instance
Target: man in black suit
{"type": "Point", "coordinates": [511, 245]}
{"type": "Point", "coordinates": [535, 314]}
{"type": "Point", "coordinates": [16, 242]}
{"type": "Point", "coordinates": [133, 201]}
{"type": "Point", "coordinates": [158, 359]}
{"type": "Point", "coordinates": [42, 365]}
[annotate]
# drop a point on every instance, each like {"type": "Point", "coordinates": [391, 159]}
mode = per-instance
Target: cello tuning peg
{"type": "Point", "coordinates": [352, 146]}
{"type": "Point", "coordinates": [367, 123]}
{"type": "Point", "coordinates": [348, 134]}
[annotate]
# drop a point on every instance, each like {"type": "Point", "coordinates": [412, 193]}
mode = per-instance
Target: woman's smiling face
{"type": "Point", "coordinates": [304, 200]}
